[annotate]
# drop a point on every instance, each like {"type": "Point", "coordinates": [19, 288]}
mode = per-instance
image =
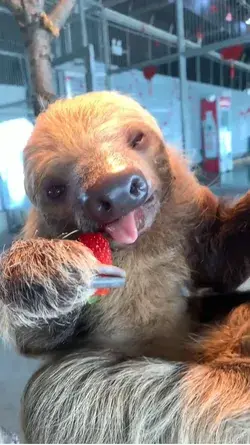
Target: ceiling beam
{"type": "Point", "coordinates": [113, 3]}
{"type": "Point", "coordinates": [217, 46]}
{"type": "Point", "coordinates": [129, 23]}
{"type": "Point", "coordinates": [154, 6]}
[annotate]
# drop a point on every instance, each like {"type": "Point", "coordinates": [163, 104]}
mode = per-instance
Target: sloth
{"type": "Point", "coordinates": [153, 361]}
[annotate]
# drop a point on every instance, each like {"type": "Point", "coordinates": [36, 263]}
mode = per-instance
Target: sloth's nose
{"type": "Point", "coordinates": [115, 196]}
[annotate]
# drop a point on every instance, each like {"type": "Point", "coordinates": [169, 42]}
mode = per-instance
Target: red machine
{"type": "Point", "coordinates": [216, 134]}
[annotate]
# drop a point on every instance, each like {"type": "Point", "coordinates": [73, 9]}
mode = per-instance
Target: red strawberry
{"type": "Point", "coordinates": [101, 250]}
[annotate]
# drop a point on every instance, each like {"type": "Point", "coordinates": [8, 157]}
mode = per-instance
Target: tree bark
{"type": "Point", "coordinates": [38, 30]}
{"type": "Point", "coordinates": [38, 46]}
{"type": "Point", "coordinates": [62, 10]}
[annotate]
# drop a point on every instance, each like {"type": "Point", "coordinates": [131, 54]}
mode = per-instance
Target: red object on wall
{"type": "Point", "coordinates": [199, 37]}
{"type": "Point", "coordinates": [213, 8]}
{"type": "Point", "coordinates": [232, 53]}
{"type": "Point", "coordinates": [229, 17]}
{"type": "Point", "coordinates": [232, 71]}
{"type": "Point", "coordinates": [210, 163]}
{"type": "Point", "coordinates": [225, 102]}
{"type": "Point", "coordinates": [149, 72]}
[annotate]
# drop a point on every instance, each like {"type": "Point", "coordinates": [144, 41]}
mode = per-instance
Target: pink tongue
{"type": "Point", "coordinates": [124, 230]}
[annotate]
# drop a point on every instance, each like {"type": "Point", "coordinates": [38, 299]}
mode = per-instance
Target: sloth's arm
{"type": "Point", "coordinates": [87, 397]}
{"type": "Point", "coordinates": [220, 248]}
{"type": "Point", "coordinates": [44, 288]}
{"type": "Point", "coordinates": [214, 307]}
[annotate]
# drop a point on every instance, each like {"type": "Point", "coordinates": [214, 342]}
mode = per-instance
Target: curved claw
{"type": "Point", "coordinates": [107, 282]}
{"type": "Point", "coordinates": [111, 271]}
{"type": "Point", "coordinates": [109, 277]}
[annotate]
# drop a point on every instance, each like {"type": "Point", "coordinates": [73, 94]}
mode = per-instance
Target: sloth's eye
{"type": "Point", "coordinates": [137, 139]}
{"type": "Point", "coordinates": [56, 191]}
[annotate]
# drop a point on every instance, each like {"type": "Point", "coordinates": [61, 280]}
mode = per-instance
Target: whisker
{"type": "Point", "coordinates": [66, 235]}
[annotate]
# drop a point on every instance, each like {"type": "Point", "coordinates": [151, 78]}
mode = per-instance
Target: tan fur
{"type": "Point", "coordinates": [151, 308]}
{"type": "Point", "coordinates": [86, 394]}
{"type": "Point", "coordinates": [39, 263]}
{"type": "Point", "coordinates": [216, 394]}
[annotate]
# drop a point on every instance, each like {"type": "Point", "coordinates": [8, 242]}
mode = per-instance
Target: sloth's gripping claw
{"type": "Point", "coordinates": [50, 278]}
{"type": "Point", "coordinates": [100, 247]}
{"type": "Point", "coordinates": [108, 277]}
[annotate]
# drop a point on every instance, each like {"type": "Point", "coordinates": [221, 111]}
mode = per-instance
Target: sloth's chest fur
{"type": "Point", "coordinates": [149, 316]}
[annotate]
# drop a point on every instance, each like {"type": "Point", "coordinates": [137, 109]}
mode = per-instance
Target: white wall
{"type": "Point", "coordinates": [162, 98]}
{"type": "Point", "coordinates": [11, 94]}
{"type": "Point", "coordinates": [14, 129]}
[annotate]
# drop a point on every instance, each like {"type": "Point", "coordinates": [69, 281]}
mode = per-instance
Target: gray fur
{"type": "Point", "coordinates": [83, 396]}
{"type": "Point", "coordinates": [96, 398]}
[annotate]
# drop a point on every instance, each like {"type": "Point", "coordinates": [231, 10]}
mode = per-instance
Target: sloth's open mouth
{"type": "Point", "coordinates": [127, 229]}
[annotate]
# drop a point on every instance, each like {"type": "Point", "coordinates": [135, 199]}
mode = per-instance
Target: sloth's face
{"type": "Point", "coordinates": [98, 162]}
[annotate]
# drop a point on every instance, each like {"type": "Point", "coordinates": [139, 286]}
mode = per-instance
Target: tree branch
{"type": "Point", "coordinates": [38, 30]}
{"type": "Point", "coordinates": [61, 12]}
{"type": "Point", "coordinates": [34, 6]}
{"type": "Point", "coordinates": [14, 5]}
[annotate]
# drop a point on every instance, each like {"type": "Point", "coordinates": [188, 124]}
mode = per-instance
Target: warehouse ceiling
{"type": "Point", "coordinates": [217, 23]}
{"type": "Point", "coordinates": [207, 22]}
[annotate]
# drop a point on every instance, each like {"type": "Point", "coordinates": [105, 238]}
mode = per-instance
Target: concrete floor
{"type": "Point", "coordinates": [15, 370]}
{"type": "Point", "coordinates": [14, 373]}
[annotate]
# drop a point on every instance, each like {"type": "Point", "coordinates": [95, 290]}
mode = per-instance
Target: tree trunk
{"type": "Point", "coordinates": [38, 30]}
{"type": "Point", "coordinates": [38, 44]}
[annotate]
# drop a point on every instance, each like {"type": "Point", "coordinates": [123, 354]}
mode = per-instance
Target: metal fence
{"type": "Point", "coordinates": [154, 38]}
{"type": "Point", "coordinates": [149, 35]}
{"type": "Point", "coordinates": [217, 21]}
{"type": "Point", "coordinates": [184, 38]}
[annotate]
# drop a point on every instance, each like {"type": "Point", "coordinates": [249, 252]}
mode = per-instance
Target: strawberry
{"type": "Point", "coordinates": [101, 250]}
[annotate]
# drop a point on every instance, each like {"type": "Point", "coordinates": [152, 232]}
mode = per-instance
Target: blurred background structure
{"type": "Point", "coordinates": [186, 61]}
{"type": "Point", "coordinates": [175, 57]}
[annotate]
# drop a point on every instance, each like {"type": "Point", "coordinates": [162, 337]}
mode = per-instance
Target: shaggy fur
{"type": "Point", "coordinates": [95, 388]}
